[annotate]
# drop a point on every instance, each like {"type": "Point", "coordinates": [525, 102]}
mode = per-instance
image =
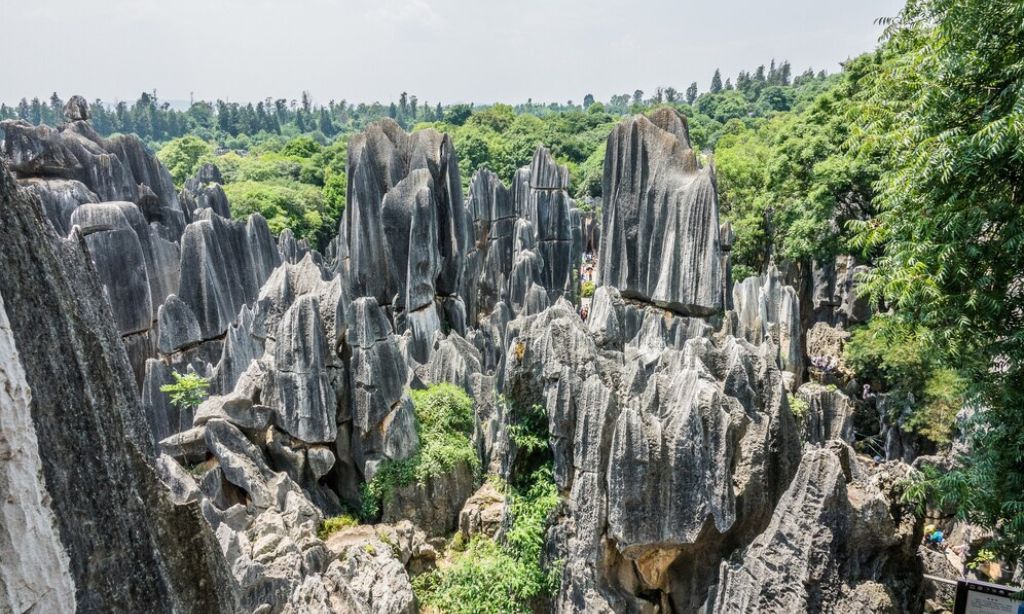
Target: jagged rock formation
{"type": "Point", "coordinates": [765, 309]}
{"type": "Point", "coordinates": [837, 542]}
{"type": "Point", "coordinates": [668, 455]}
{"type": "Point", "coordinates": [689, 485]}
{"type": "Point", "coordinates": [829, 413]}
{"type": "Point", "coordinates": [405, 231]}
{"type": "Point", "coordinates": [37, 575]}
{"type": "Point", "coordinates": [204, 191]}
{"type": "Point", "coordinates": [129, 545]}
{"type": "Point", "coordinates": [660, 223]}
{"type": "Point", "coordinates": [146, 245]}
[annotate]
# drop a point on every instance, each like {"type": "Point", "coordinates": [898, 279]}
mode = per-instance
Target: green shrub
{"type": "Point", "coordinates": [587, 290]}
{"type": "Point", "coordinates": [187, 391]}
{"type": "Point", "coordinates": [334, 524]}
{"type": "Point", "coordinates": [444, 422]}
{"type": "Point", "coordinates": [798, 406]}
{"type": "Point", "coordinates": [181, 157]}
{"type": "Point", "coordinates": [529, 431]}
{"type": "Point", "coordinates": [491, 578]}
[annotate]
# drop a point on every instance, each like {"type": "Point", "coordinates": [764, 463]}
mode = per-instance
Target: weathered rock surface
{"type": "Point", "coordinates": [765, 309]}
{"type": "Point", "coordinates": [660, 240]}
{"type": "Point", "coordinates": [36, 575]}
{"type": "Point", "coordinates": [829, 413]}
{"type": "Point", "coordinates": [129, 546]}
{"type": "Point", "coordinates": [483, 513]}
{"type": "Point", "coordinates": [204, 191]}
{"type": "Point", "coordinates": [656, 449]}
{"type": "Point", "coordinates": [836, 543]}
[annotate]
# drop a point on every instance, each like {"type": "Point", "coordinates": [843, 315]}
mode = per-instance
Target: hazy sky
{"type": "Point", "coordinates": [447, 50]}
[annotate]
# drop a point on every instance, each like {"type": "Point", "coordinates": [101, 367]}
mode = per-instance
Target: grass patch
{"type": "Point", "coordinates": [334, 524]}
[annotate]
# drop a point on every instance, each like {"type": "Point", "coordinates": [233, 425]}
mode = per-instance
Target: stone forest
{"type": "Point", "coordinates": [488, 391]}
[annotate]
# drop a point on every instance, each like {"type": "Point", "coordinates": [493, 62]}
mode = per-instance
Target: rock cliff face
{"type": "Point", "coordinates": [37, 576]}
{"type": "Point", "coordinates": [688, 483]}
{"type": "Point", "coordinates": [127, 545]}
{"type": "Point", "coordinates": [660, 240]}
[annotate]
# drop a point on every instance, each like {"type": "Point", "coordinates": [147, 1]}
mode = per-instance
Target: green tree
{"type": "Point", "coordinates": [181, 156]}
{"type": "Point", "coordinates": [716, 82]}
{"type": "Point", "coordinates": [950, 235]}
{"type": "Point", "coordinates": [691, 93]}
{"type": "Point", "coordinates": [187, 391]}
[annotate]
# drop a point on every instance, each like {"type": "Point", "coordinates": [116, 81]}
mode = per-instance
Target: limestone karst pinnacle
{"type": "Point", "coordinates": [660, 230]}
{"type": "Point", "coordinates": [681, 465]}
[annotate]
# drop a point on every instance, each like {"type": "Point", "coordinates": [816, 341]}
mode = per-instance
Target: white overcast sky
{"type": "Point", "coordinates": [449, 50]}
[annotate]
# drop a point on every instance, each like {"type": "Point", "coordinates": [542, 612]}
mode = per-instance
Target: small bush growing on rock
{"type": "Point", "coordinates": [187, 391]}
{"type": "Point", "coordinates": [334, 524]}
{"type": "Point", "coordinates": [444, 422]}
{"type": "Point", "coordinates": [798, 406]}
{"type": "Point", "coordinates": [587, 290]}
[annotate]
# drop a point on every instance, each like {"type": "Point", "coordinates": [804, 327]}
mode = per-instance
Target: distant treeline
{"type": "Point", "coordinates": [753, 94]}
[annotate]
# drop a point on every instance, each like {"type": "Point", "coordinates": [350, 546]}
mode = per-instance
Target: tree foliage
{"type": "Point", "coordinates": [187, 391]}
{"type": "Point", "coordinates": [949, 112]}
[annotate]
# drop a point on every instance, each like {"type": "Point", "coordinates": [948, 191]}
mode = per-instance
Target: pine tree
{"type": "Point", "coordinates": [716, 82]}
{"type": "Point", "coordinates": [325, 123]}
{"type": "Point", "coordinates": [785, 71]}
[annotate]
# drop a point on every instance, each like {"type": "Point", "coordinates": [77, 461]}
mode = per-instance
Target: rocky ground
{"type": "Point", "coordinates": [702, 432]}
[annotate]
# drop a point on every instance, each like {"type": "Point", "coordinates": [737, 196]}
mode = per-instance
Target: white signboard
{"type": "Point", "coordinates": [984, 598]}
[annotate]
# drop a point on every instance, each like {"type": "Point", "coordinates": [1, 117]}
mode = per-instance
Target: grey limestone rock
{"type": "Point", "coordinates": [76, 109]}
{"type": "Point", "coordinates": [298, 389]}
{"type": "Point", "coordinates": [829, 413]}
{"type": "Point", "coordinates": [660, 224]}
{"type": "Point", "coordinates": [60, 198]}
{"type": "Point", "coordinates": [98, 452]}
{"type": "Point", "coordinates": [205, 192]}
{"type": "Point", "coordinates": [121, 263]}
{"type": "Point", "coordinates": [765, 309]}
{"type": "Point", "coordinates": [34, 568]}
{"type": "Point", "coordinates": [833, 536]}
{"type": "Point", "coordinates": [177, 326]}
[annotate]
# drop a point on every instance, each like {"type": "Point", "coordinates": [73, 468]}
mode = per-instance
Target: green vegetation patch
{"type": "Point", "coordinates": [334, 524]}
{"type": "Point", "coordinates": [487, 577]}
{"type": "Point", "coordinates": [187, 391]}
{"type": "Point", "coordinates": [444, 423]}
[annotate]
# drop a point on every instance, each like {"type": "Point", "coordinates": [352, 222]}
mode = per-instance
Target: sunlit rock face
{"type": "Point", "coordinates": [687, 482]}
{"type": "Point", "coordinates": [98, 460]}
{"type": "Point", "coordinates": [660, 230]}
{"type": "Point", "coordinates": [406, 232]}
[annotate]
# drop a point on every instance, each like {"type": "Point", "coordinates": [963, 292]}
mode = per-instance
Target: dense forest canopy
{"type": "Point", "coordinates": [911, 158]}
